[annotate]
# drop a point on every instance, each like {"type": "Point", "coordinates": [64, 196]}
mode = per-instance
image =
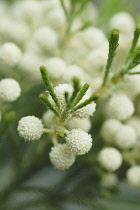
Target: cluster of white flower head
{"type": "Point", "coordinates": [75, 123]}
{"type": "Point", "coordinates": [61, 156]}
{"type": "Point", "coordinates": [9, 90]}
{"type": "Point", "coordinates": [10, 55]}
{"type": "Point", "coordinates": [126, 25]}
{"type": "Point", "coordinates": [120, 107]}
{"type": "Point", "coordinates": [38, 27]}
{"type": "Point", "coordinates": [48, 118]}
{"type": "Point", "coordinates": [122, 135]}
{"type": "Point", "coordinates": [133, 176]}
{"type": "Point", "coordinates": [110, 158]}
{"type": "Point", "coordinates": [60, 91]}
{"type": "Point", "coordinates": [132, 85]}
{"type": "Point", "coordinates": [30, 128]}
{"type": "Point", "coordinates": [135, 123]}
{"type": "Point", "coordinates": [109, 129]}
{"type": "Point", "coordinates": [126, 137]}
{"type": "Point", "coordinates": [79, 141]}
{"type": "Point", "coordinates": [35, 33]}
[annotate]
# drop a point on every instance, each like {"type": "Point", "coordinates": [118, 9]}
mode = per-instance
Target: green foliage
{"type": "Point", "coordinates": [113, 44]}
{"type": "Point", "coordinates": [48, 103]}
{"type": "Point", "coordinates": [47, 82]}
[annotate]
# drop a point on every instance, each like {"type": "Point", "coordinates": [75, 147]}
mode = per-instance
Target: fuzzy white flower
{"type": "Point", "coordinates": [56, 67]}
{"type": "Point", "coordinates": [90, 12]}
{"type": "Point", "coordinates": [4, 27]}
{"type": "Point", "coordinates": [124, 45]}
{"type": "Point", "coordinates": [75, 123]}
{"type": "Point", "coordinates": [48, 119]}
{"type": "Point", "coordinates": [9, 90]}
{"type": "Point", "coordinates": [76, 50]}
{"type": "Point", "coordinates": [30, 128]}
{"type": "Point", "coordinates": [123, 21]}
{"type": "Point", "coordinates": [120, 107]}
{"type": "Point", "coordinates": [46, 38]}
{"type": "Point", "coordinates": [133, 176]}
{"type": "Point", "coordinates": [109, 180]}
{"type": "Point", "coordinates": [109, 129]}
{"type": "Point", "coordinates": [110, 158]}
{"type": "Point", "coordinates": [86, 111]}
{"type": "Point", "coordinates": [60, 93]}
{"type": "Point", "coordinates": [56, 19]}
{"type": "Point", "coordinates": [29, 64]}
{"type": "Point", "coordinates": [135, 123]}
{"type": "Point", "coordinates": [75, 71]}
{"type": "Point", "coordinates": [132, 84]}
{"type": "Point", "coordinates": [126, 137]}
{"type": "Point", "coordinates": [94, 37]}
{"type": "Point", "coordinates": [79, 141]}
{"type": "Point", "coordinates": [29, 11]}
{"type": "Point", "coordinates": [9, 54]}
{"type": "Point", "coordinates": [95, 83]}
{"type": "Point", "coordinates": [18, 32]}
{"type": "Point", "coordinates": [61, 157]}
{"type": "Point", "coordinates": [97, 60]}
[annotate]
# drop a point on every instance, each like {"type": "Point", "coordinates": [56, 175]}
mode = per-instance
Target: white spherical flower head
{"type": "Point", "coordinates": [46, 38]}
{"type": "Point", "coordinates": [9, 90]}
{"type": "Point", "coordinates": [109, 180]}
{"type": "Point", "coordinates": [90, 13]}
{"type": "Point", "coordinates": [57, 68]}
{"type": "Point", "coordinates": [61, 157]}
{"type": "Point", "coordinates": [75, 123]}
{"type": "Point", "coordinates": [30, 128]}
{"type": "Point", "coordinates": [9, 54]}
{"type": "Point", "coordinates": [93, 37]}
{"type": "Point", "coordinates": [29, 64]}
{"type": "Point", "coordinates": [126, 137]}
{"type": "Point", "coordinates": [123, 21]}
{"type": "Point", "coordinates": [29, 11]}
{"type": "Point", "coordinates": [79, 141]}
{"type": "Point", "coordinates": [56, 19]}
{"type": "Point", "coordinates": [120, 107]}
{"type": "Point", "coordinates": [109, 129]}
{"type": "Point", "coordinates": [75, 71]}
{"type": "Point", "coordinates": [97, 60]}
{"type": "Point", "coordinates": [75, 50]}
{"type": "Point", "coordinates": [135, 123]}
{"type": "Point", "coordinates": [133, 176]}
{"type": "Point", "coordinates": [86, 111]}
{"type": "Point", "coordinates": [60, 92]}
{"type": "Point", "coordinates": [95, 83]}
{"type": "Point", "coordinates": [48, 119]}
{"type": "Point", "coordinates": [132, 83]}
{"type": "Point", "coordinates": [19, 32]}
{"type": "Point", "coordinates": [110, 158]}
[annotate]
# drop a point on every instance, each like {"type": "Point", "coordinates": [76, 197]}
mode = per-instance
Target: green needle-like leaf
{"type": "Point", "coordinates": [76, 86]}
{"type": "Point", "coordinates": [80, 94]}
{"type": "Point", "coordinates": [135, 41]}
{"type": "Point", "coordinates": [47, 102]}
{"type": "Point", "coordinates": [133, 73]}
{"type": "Point", "coordinates": [113, 44]}
{"type": "Point", "coordinates": [135, 61]}
{"type": "Point", "coordinates": [94, 97]}
{"type": "Point", "coordinates": [48, 83]}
